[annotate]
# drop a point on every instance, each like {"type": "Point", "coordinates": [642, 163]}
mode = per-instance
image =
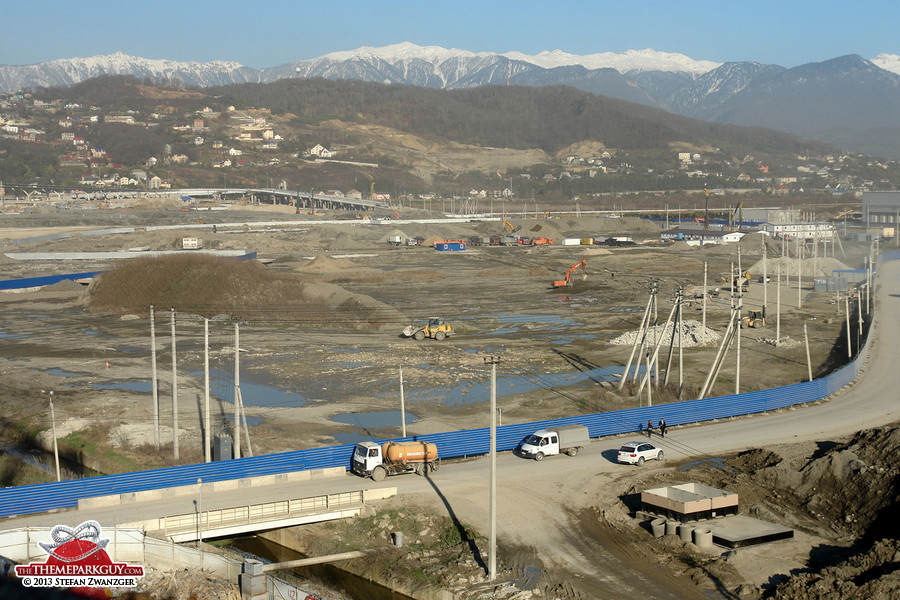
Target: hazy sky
{"type": "Point", "coordinates": [268, 33]}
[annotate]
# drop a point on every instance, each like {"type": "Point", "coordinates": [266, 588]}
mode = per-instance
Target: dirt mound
{"type": "Point", "coordinates": [325, 264]}
{"type": "Point", "coordinates": [210, 286]}
{"type": "Point", "coordinates": [872, 574]}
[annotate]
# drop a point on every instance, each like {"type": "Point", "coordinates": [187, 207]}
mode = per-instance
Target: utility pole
{"type": "Point", "coordinates": [199, 511]}
{"type": "Point", "coordinates": [174, 393]}
{"type": "Point", "coordinates": [737, 365]}
{"type": "Point", "coordinates": [799, 273]}
{"type": "Point", "coordinates": [53, 429]}
{"type": "Point", "coordinates": [847, 307]}
{"type": "Point", "coordinates": [236, 434]}
{"type": "Point", "coordinates": [492, 553]}
{"type": "Point", "coordinates": [778, 308]}
{"type": "Point", "coordinates": [705, 269]}
{"type": "Point", "coordinates": [207, 439]}
{"type": "Point", "coordinates": [154, 377]}
{"type": "Point", "coordinates": [808, 360]}
{"type": "Point", "coordinates": [765, 273]}
{"type": "Point", "coordinates": [402, 407]}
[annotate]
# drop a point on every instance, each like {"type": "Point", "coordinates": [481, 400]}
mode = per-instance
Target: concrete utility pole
{"type": "Point", "coordinates": [207, 429]}
{"type": "Point", "coordinates": [847, 307]}
{"type": "Point", "coordinates": [154, 377]}
{"type": "Point", "coordinates": [174, 393]}
{"type": "Point", "coordinates": [778, 308]}
{"type": "Point", "coordinates": [705, 269]}
{"type": "Point", "coordinates": [808, 360]}
{"type": "Point", "coordinates": [402, 407]}
{"type": "Point", "coordinates": [737, 355]}
{"type": "Point", "coordinates": [799, 274]}
{"type": "Point", "coordinates": [765, 272]}
{"type": "Point", "coordinates": [492, 552]}
{"type": "Point", "coordinates": [236, 434]}
{"type": "Point", "coordinates": [200, 511]}
{"type": "Point", "coordinates": [53, 430]}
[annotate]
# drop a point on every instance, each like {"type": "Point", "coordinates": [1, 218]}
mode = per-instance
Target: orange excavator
{"type": "Point", "coordinates": [568, 278]}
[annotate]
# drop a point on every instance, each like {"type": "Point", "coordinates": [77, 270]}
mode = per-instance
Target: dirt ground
{"type": "Point", "coordinates": [315, 383]}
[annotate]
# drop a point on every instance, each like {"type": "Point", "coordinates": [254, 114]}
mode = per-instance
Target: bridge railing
{"type": "Point", "coordinates": [210, 520]}
{"type": "Point", "coordinates": [65, 494]}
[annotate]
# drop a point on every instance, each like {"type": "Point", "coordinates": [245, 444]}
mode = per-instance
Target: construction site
{"type": "Point", "coordinates": [383, 319]}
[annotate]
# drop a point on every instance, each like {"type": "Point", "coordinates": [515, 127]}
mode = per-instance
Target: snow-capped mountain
{"type": "Point", "coordinates": [888, 62]}
{"type": "Point", "coordinates": [65, 72]}
{"type": "Point", "coordinates": [847, 101]}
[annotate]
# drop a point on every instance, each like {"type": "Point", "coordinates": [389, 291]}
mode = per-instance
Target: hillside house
{"type": "Point", "coordinates": [320, 151]}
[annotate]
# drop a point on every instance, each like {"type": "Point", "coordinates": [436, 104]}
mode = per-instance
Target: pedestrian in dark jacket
{"type": "Point", "coordinates": [662, 427]}
{"type": "Point", "coordinates": [649, 427]}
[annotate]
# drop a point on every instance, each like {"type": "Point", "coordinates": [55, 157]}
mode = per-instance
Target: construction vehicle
{"type": "Point", "coordinates": [542, 241]}
{"type": "Point", "coordinates": [508, 224]}
{"type": "Point", "coordinates": [435, 328]}
{"type": "Point", "coordinates": [394, 458]}
{"type": "Point", "coordinates": [756, 318]}
{"type": "Point", "coordinates": [567, 280]}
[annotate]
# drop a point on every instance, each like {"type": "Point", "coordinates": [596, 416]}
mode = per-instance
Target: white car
{"type": "Point", "coordinates": [635, 453]}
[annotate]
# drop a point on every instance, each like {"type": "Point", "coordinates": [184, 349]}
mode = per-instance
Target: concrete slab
{"type": "Point", "coordinates": [737, 531]}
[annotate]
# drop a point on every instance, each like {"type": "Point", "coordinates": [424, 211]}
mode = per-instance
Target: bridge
{"type": "Point", "coordinates": [274, 196]}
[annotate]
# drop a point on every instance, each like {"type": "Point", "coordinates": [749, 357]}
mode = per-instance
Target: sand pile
{"type": "Point", "coordinates": [693, 333]}
{"type": "Point", "coordinates": [325, 264]}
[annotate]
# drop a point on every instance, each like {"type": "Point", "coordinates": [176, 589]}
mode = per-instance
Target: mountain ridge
{"type": "Point", "coordinates": [843, 101]}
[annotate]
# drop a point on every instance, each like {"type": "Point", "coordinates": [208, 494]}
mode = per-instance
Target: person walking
{"type": "Point", "coordinates": [649, 428]}
{"type": "Point", "coordinates": [662, 427]}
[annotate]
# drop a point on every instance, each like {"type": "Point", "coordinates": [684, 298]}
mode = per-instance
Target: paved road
{"type": "Point", "coordinates": [532, 497]}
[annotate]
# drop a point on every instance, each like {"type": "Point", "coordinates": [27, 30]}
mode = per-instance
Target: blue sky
{"type": "Point", "coordinates": [267, 33]}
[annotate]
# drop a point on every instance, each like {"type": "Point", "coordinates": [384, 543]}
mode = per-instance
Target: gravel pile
{"type": "Point", "coordinates": [693, 333]}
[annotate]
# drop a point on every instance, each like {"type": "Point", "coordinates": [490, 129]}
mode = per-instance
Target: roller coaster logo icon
{"type": "Point", "coordinates": [78, 560]}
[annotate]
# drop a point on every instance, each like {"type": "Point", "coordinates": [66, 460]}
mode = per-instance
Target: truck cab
{"type": "Point", "coordinates": [366, 457]}
{"type": "Point", "coordinates": [540, 444]}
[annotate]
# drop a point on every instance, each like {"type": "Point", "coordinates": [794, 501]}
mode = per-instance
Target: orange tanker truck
{"type": "Point", "coordinates": [392, 458]}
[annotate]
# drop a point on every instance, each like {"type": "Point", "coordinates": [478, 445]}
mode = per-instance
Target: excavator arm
{"type": "Point", "coordinates": [568, 277]}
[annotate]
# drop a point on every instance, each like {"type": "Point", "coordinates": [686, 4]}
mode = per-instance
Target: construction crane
{"type": "Point", "coordinates": [846, 212]}
{"type": "Point", "coordinates": [736, 215]}
{"type": "Point", "coordinates": [567, 280]}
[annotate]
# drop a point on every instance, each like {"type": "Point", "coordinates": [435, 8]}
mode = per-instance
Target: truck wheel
{"type": "Point", "coordinates": [539, 456]}
{"type": "Point", "coordinates": [378, 474]}
{"type": "Point", "coordinates": [572, 451]}
{"type": "Point", "coordinates": [419, 336]}
{"type": "Point", "coordinates": [420, 469]}
{"type": "Point", "coordinates": [640, 462]}
{"type": "Point", "coordinates": [439, 336]}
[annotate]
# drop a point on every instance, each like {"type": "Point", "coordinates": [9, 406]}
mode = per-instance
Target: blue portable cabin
{"type": "Point", "coordinates": [446, 246]}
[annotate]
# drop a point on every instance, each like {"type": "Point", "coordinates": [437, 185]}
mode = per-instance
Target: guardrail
{"type": "Point", "coordinates": [258, 513]}
{"type": "Point", "coordinates": [65, 494]}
